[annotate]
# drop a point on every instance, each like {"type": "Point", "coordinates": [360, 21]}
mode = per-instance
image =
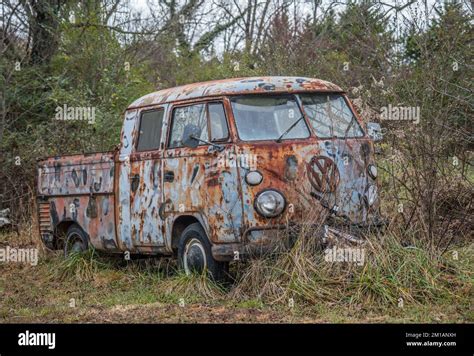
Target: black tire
{"type": "Point", "coordinates": [76, 240]}
{"type": "Point", "coordinates": [194, 254]}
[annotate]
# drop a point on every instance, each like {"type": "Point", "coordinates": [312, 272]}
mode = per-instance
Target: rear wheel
{"type": "Point", "coordinates": [76, 241]}
{"type": "Point", "coordinates": [194, 254]}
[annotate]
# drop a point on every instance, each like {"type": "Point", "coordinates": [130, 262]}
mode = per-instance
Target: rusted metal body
{"type": "Point", "coordinates": [140, 201]}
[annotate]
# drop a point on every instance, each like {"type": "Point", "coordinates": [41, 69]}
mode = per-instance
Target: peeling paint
{"type": "Point", "coordinates": [124, 203]}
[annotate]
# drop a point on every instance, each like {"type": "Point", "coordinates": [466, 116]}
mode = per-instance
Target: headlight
{"type": "Point", "coordinates": [372, 170]}
{"type": "Point", "coordinates": [372, 194]}
{"type": "Point", "coordinates": [269, 203]}
{"type": "Point", "coordinates": [254, 178]}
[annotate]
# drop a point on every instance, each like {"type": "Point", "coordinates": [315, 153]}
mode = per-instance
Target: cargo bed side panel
{"type": "Point", "coordinates": [77, 174]}
{"type": "Point", "coordinates": [79, 188]}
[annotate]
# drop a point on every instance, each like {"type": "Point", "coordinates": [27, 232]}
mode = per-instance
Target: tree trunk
{"type": "Point", "coordinates": [43, 28]}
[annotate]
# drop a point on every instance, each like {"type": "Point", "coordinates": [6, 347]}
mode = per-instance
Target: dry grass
{"type": "Point", "coordinates": [433, 288]}
{"type": "Point", "coordinates": [391, 271]}
{"type": "Point", "coordinates": [405, 278]}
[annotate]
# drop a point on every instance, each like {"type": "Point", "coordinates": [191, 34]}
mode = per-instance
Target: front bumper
{"type": "Point", "coordinates": [262, 241]}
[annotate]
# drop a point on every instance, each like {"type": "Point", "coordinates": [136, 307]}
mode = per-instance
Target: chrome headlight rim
{"type": "Point", "coordinates": [278, 211]}
{"type": "Point", "coordinates": [372, 171]}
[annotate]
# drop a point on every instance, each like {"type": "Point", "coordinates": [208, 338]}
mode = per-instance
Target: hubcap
{"type": "Point", "coordinates": [194, 258]}
{"type": "Point", "coordinates": [76, 244]}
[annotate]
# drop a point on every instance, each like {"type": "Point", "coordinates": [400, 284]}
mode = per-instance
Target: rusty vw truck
{"type": "Point", "coordinates": [215, 171]}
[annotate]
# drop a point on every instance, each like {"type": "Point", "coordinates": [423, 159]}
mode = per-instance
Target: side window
{"type": "Point", "coordinates": [218, 122]}
{"type": "Point", "coordinates": [182, 116]}
{"type": "Point", "coordinates": [149, 136]}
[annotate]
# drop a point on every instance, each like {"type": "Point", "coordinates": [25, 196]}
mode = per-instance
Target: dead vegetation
{"type": "Point", "coordinates": [396, 282]}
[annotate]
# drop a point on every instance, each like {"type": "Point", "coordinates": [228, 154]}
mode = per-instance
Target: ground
{"type": "Point", "coordinates": [137, 293]}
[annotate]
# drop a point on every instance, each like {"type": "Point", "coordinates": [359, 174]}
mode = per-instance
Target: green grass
{"type": "Point", "coordinates": [251, 303]}
{"type": "Point", "coordinates": [82, 266]}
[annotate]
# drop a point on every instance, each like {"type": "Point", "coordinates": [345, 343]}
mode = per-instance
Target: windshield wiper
{"type": "Point", "coordinates": [289, 129]}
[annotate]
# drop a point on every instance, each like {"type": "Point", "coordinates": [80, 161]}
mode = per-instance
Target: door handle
{"type": "Point", "coordinates": [169, 176]}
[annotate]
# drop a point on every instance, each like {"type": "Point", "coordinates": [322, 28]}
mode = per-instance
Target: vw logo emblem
{"type": "Point", "coordinates": [323, 174]}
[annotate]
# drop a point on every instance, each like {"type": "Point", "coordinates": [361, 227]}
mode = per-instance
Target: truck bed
{"type": "Point", "coordinates": [77, 189]}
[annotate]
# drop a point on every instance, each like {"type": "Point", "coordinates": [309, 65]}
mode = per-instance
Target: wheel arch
{"type": "Point", "coordinates": [181, 222]}
{"type": "Point", "coordinates": [60, 231]}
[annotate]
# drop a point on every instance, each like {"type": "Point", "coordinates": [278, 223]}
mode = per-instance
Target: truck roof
{"type": "Point", "coordinates": [236, 86]}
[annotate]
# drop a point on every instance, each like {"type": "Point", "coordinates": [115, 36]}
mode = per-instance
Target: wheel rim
{"type": "Point", "coordinates": [194, 258]}
{"type": "Point", "coordinates": [76, 244]}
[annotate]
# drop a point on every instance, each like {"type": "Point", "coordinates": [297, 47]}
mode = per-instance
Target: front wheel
{"type": "Point", "coordinates": [194, 254]}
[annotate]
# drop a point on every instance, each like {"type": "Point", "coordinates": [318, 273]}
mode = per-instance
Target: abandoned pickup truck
{"type": "Point", "coordinates": [210, 172]}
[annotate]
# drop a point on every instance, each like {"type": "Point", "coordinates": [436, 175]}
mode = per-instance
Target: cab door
{"type": "Point", "coordinates": [196, 181]}
{"type": "Point", "coordinates": [145, 179]}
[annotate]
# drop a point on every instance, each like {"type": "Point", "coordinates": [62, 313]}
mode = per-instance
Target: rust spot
{"type": "Point", "coordinates": [75, 178]}
{"type": "Point", "coordinates": [365, 151]}
{"type": "Point", "coordinates": [91, 210]}
{"type": "Point", "coordinates": [54, 213]}
{"type": "Point", "coordinates": [195, 170]}
{"type": "Point", "coordinates": [291, 167]}
{"type": "Point", "coordinates": [98, 184]}
{"type": "Point", "coordinates": [135, 182]}
{"type": "Point", "coordinates": [84, 176]}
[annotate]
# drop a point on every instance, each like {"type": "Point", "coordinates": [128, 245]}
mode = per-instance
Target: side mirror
{"type": "Point", "coordinates": [189, 133]}
{"type": "Point", "coordinates": [374, 130]}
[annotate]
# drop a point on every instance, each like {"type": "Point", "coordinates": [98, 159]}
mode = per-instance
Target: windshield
{"type": "Point", "coordinates": [330, 116]}
{"type": "Point", "coordinates": [268, 117]}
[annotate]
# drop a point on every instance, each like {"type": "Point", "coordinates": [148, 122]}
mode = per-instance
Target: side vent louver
{"type": "Point", "coordinates": [44, 218]}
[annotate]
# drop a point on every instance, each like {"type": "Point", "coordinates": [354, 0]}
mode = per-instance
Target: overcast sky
{"type": "Point", "coordinates": [141, 5]}
{"type": "Point", "coordinates": [415, 10]}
